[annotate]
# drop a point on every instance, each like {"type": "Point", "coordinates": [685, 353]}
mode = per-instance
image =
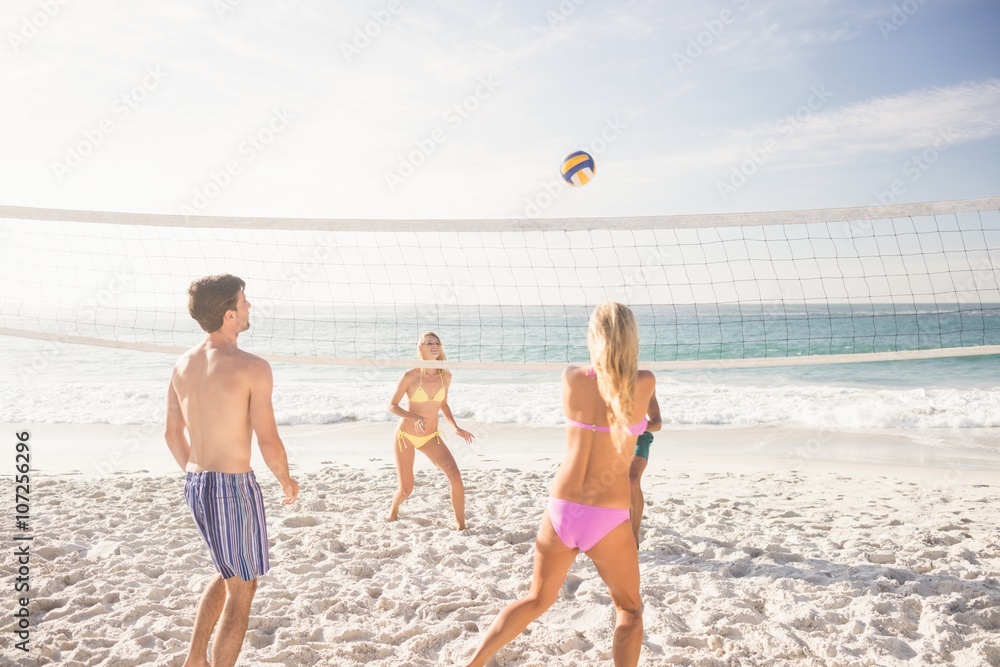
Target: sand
{"type": "Point", "coordinates": [744, 562]}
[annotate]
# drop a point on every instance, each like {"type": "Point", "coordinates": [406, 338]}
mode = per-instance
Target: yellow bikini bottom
{"type": "Point", "coordinates": [417, 441]}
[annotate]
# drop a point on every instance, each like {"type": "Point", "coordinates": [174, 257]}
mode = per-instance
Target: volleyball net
{"type": "Point", "coordinates": [794, 287]}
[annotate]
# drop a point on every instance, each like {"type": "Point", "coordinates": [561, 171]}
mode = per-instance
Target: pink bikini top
{"type": "Point", "coordinates": [634, 429]}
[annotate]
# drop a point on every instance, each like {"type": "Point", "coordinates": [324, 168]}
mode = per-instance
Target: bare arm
{"type": "Point", "coordinates": [653, 412]}
{"type": "Point", "coordinates": [446, 411]}
{"type": "Point", "coordinates": [264, 425]}
{"type": "Point", "coordinates": [397, 410]}
{"type": "Point", "coordinates": [173, 433]}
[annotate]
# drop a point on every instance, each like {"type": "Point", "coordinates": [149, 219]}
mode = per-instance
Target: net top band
{"type": "Point", "coordinates": [749, 219]}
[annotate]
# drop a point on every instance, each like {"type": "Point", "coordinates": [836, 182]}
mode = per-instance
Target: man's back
{"type": "Point", "coordinates": [213, 387]}
{"type": "Point", "coordinates": [220, 395]}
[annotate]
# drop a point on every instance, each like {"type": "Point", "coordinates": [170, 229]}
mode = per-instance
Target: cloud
{"type": "Point", "coordinates": [354, 117]}
{"type": "Point", "coordinates": [883, 125]}
{"type": "Point", "coordinates": [757, 36]}
{"type": "Point", "coordinates": [840, 141]}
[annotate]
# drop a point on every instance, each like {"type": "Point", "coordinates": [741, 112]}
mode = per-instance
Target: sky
{"type": "Point", "coordinates": [447, 109]}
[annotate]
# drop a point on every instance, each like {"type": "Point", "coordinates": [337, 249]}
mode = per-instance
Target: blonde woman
{"type": "Point", "coordinates": [427, 395]}
{"type": "Point", "coordinates": [588, 510]}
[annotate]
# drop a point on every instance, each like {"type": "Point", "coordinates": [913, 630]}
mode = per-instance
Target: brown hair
{"type": "Point", "coordinates": [211, 297]}
{"type": "Point", "coordinates": [613, 341]}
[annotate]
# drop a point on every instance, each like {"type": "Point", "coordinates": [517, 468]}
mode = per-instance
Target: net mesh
{"type": "Point", "coordinates": [750, 289]}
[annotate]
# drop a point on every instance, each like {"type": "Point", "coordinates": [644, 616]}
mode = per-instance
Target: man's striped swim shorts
{"type": "Point", "coordinates": [228, 509]}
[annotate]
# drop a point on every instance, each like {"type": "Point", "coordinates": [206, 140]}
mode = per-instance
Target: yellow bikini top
{"type": "Point", "coordinates": [420, 396]}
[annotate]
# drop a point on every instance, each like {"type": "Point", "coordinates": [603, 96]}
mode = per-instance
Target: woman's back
{"type": "Point", "coordinates": [595, 470]}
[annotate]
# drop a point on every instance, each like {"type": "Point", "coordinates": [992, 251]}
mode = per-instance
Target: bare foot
{"type": "Point", "coordinates": [393, 514]}
{"type": "Point", "coordinates": [459, 526]}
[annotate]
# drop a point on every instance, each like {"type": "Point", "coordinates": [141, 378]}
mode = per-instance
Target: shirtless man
{"type": "Point", "coordinates": [221, 394]}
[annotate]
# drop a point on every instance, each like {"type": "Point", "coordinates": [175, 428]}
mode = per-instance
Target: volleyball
{"type": "Point", "coordinates": [578, 168]}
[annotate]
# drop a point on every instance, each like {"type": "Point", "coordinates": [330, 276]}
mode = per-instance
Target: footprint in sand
{"type": "Point", "coordinates": [300, 522]}
{"type": "Point", "coordinates": [518, 537]}
{"type": "Point", "coordinates": [50, 604]}
{"type": "Point", "coordinates": [738, 568]}
{"type": "Point", "coordinates": [571, 585]}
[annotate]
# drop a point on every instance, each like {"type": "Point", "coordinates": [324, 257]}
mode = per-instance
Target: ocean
{"type": "Point", "coordinates": [553, 334]}
{"type": "Point", "coordinates": [60, 383]}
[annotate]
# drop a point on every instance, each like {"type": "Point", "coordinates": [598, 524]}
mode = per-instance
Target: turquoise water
{"type": "Point", "coordinates": [667, 333]}
{"type": "Point", "coordinates": [558, 334]}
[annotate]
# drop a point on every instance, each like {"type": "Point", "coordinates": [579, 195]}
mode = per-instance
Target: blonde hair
{"type": "Point", "coordinates": [613, 341]}
{"type": "Point", "coordinates": [442, 357]}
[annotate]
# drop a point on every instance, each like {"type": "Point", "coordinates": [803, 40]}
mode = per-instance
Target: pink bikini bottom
{"type": "Point", "coordinates": [583, 526]}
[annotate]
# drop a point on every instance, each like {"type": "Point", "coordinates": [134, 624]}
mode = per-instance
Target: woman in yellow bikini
{"type": "Point", "coordinates": [427, 391]}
